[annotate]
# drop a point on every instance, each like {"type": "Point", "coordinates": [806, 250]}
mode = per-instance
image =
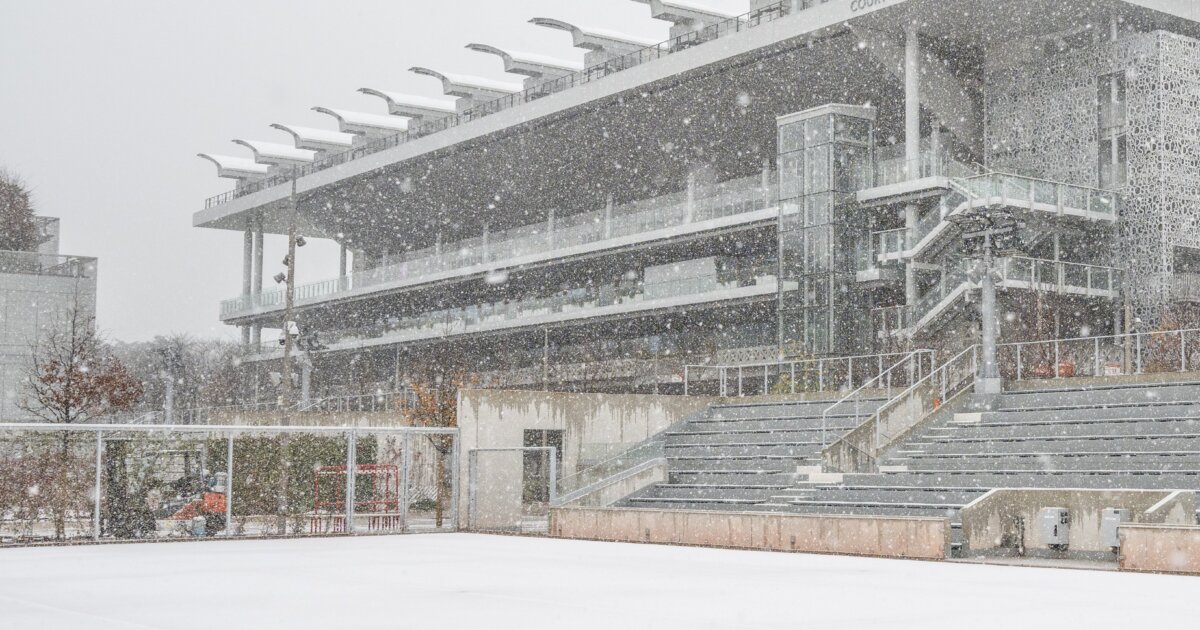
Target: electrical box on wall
{"type": "Point", "coordinates": [1110, 521]}
{"type": "Point", "coordinates": [1054, 525]}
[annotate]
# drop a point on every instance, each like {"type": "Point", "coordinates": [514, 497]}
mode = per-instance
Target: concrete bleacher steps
{"type": "Point", "coordinates": [745, 457]}
{"type": "Point", "coordinates": [1144, 436]}
{"type": "Point", "coordinates": [738, 455]}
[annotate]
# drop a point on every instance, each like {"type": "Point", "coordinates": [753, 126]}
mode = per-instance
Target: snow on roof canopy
{"type": "Point", "coordinates": [530, 64]}
{"type": "Point", "coordinates": [409, 106]}
{"type": "Point", "coordinates": [362, 118]}
{"type": "Point", "coordinates": [236, 167]}
{"type": "Point", "coordinates": [464, 86]}
{"type": "Point", "coordinates": [684, 12]}
{"type": "Point", "coordinates": [276, 154]}
{"type": "Point", "coordinates": [317, 139]}
{"type": "Point", "coordinates": [594, 39]}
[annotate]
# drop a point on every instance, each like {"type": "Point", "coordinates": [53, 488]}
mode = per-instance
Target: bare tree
{"type": "Point", "coordinates": [73, 377]}
{"type": "Point", "coordinates": [18, 228]}
{"type": "Point", "coordinates": [437, 406]}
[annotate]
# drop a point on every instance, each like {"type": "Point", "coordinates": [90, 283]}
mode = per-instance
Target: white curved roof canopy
{"type": "Point", "coordinates": [596, 39]}
{"type": "Point", "coordinates": [363, 124]}
{"type": "Point", "coordinates": [530, 65]}
{"type": "Point", "coordinates": [319, 140]}
{"type": "Point", "coordinates": [686, 13]}
{"type": "Point", "coordinates": [416, 107]}
{"type": "Point", "coordinates": [464, 86]}
{"type": "Point", "coordinates": [275, 154]}
{"type": "Point", "coordinates": [239, 168]}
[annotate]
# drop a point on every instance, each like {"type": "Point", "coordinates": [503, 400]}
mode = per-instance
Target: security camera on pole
{"type": "Point", "coordinates": [986, 232]}
{"type": "Point", "coordinates": [290, 330]}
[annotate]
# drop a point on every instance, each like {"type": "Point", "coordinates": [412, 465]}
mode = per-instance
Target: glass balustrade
{"type": "Point", "coordinates": [1003, 186]}
{"type": "Point", "coordinates": [1044, 275]}
{"type": "Point", "coordinates": [890, 243]}
{"type": "Point", "coordinates": [730, 198]}
{"type": "Point", "coordinates": [503, 314]}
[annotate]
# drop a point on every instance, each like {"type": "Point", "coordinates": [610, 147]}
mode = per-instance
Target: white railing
{"type": "Point", "coordinates": [786, 377]}
{"type": "Point", "coordinates": [1186, 287]}
{"type": "Point", "coordinates": [535, 310]}
{"type": "Point", "coordinates": [911, 368]}
{"type": "Point", "coordinates": [1098, 356]}
{"type": "Point", "coordinates": [501, 249]}
{"type": "Point", "coordinates": [398, 401]}
{"type": "Point", "coordinates": [858, 450]}
{"type": "Point", "coordinates": [1026, 273]}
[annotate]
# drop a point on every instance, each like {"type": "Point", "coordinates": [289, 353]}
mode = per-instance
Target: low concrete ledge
{"type": "Point", "coordinates": [887, 537]}
{"type": "Point", "coordinates": [1003, 522]}
{"type": "Point", "coordinates": [1160, 548]}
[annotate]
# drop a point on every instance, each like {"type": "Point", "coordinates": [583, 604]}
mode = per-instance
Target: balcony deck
{"type": "Point", "coordinates": [732, 205]}
{"type": "Point", "coordinates": [542, 312]}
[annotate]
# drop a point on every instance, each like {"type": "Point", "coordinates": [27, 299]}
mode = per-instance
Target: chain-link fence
{"type": "Point", "coordinates": [118, 482]}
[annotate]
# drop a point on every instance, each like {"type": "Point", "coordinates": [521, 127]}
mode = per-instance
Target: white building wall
{"type": "Point", "coordinates": [30, 305]}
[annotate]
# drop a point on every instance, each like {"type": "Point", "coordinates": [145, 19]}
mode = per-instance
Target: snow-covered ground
{"type": "Point", "coordinates": [474, 581]}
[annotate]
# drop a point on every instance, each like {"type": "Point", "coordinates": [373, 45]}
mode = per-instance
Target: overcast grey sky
{"type": "Point", "coordinates": [105, 105]}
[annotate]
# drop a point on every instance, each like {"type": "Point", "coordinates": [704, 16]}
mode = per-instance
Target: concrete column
{"type": "Point", "coordinates": [342, 257]}
{"type": "Point", "coordinates": [766, 180]}
{"type": "Point", "coordinates": [550, 228]}
{"type": "Point", "coordinates": [989, 377]}
{"type": "Point", "coordinates": [305, 380]}
{"type": "Point", "coordinates": [437, 245]}
{"type": "Point", "coordinates": [257, 279]}
{"type": "Point", "coordinates": [486, 245]}
{"type": "Point", "coordinates": [245, 335]}
{"type": "Point", "coordinates": [256, 334]}
{"type": "Point", "coordinates": [546, 359]}
{"type": "Point", "coordinates": [935, 146]}
{"type": "Point", "coordinates": [912, 101]}
{"type": "Point", "coordinates": [608, 212]}
{"type": "Point", "coordinates": [691, 197]}
{"type": "Point", "coordinates": [247, 260]}
{"type": "Point", "coordinates": [910, 269]}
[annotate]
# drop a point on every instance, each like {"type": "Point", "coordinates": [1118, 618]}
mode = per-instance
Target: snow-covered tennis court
{"type": "Point", "coordinates": [474, 581]}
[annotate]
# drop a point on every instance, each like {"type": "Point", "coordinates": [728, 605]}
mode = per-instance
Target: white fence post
{"type": "Point", "coordinates": [229, 484]}
{"type": "Point", "coordinates": [351, 445]}
{"type": "Point", "coordinates": [96, 505]}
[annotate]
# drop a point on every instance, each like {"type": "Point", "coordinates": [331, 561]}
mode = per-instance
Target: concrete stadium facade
{"type": "Point", "coordinates": [782, 183]}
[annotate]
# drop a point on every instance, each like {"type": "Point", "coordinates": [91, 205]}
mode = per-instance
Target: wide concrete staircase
{"type": "Point", "coordinates": [738, 456]}
{"type": "Point", "coordinates": [1144, 436]}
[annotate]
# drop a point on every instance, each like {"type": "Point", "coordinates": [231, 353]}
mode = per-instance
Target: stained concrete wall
{"type": "Point", "coordinates": [992, 523]}
{"type": "Point", "coordinates": [617, 490]}
{"type": "Point", "coordinates": [595, 427]}
{"type": "Point", "coordinates": [1160, 548]}
{"type": "Point", "coordinates": [891, 537]}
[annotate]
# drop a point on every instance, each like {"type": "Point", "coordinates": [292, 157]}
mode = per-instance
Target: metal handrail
{"type": "Point", "coordinates": [791, 370]}
{"type": "Point", "coordinates": [1136, 347]}
{"type": "Point", "coordinates": [872, 422]}
{"type": "Point", "coordinates": [417, 129]}
{"type": "Point", "coordinates": [875, 382]}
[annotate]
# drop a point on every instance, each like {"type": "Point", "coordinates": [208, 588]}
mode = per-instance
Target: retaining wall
{"type": "Point", "coordinates": [890, 537]}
